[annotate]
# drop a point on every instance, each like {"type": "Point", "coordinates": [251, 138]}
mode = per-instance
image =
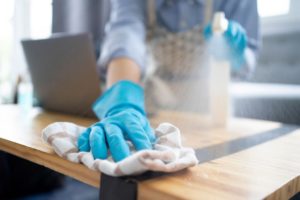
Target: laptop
{"type": "Point", "coordinates": [63, 73]}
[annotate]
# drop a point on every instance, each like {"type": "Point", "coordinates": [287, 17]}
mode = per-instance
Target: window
{"type": "Point", "coordinates": [279, 17]}
{"type": "Point", "coordinates": [269, 8]}
{"type": "Point", "coordinates": [19, 19]}
{"type": "Point", "coordinates": [40, 18]}
{"type": "Point", "coordinates": [6, 41]}
{"type": "Point", "coordinates": [6, 36]}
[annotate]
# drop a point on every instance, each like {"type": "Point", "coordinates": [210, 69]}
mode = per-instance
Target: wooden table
{"type": "Point", "coordinates": [269, 170]}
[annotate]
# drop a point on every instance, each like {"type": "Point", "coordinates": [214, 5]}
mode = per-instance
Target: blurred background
{"type": "Point", "coordinates": [278, 66]}
{"type": "Point", "coordinates": [272, 93]}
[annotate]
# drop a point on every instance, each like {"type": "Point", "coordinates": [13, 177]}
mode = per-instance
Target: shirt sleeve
{"type": "Point", "coordinates": [244, 12]}
{"type": "Point", "coordinates": [125, 33]}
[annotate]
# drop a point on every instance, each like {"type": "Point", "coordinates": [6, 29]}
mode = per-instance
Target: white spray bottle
{"type": "Point", "coordinates": [219, 74]}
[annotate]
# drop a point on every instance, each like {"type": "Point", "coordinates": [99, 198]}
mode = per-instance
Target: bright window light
{"type": "Point", "coordinates": [6, 35]}
{"type": "Point", "coordinates": [19, 19]}
{"type": "Point", "coordinates": [40, 18]}
{"type": "Point", "coordinates": [270, 8]}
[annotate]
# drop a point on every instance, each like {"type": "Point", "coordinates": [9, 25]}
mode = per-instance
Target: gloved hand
{"type": "Point", "coordinates": [236, 38]}
{"type": "Point", "coordinates": [121, 109]}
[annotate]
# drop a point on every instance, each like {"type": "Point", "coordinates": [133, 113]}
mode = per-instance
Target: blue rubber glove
{"type": "Point", "coordinates": [236, 38]}
{"type": "Point", "coordinates": [121, 109]}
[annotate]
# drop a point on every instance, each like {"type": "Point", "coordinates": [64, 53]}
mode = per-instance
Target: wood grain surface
{"type": "Point", "coordinates": [269, 170]}
{"type": "Point", "coordinates": [20, 135]}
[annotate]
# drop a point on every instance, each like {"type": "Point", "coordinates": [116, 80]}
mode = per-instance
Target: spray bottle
{"type": "Point", "coordinates": [219, 74]}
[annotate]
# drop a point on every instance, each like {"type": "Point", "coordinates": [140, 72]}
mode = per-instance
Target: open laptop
{"type": "Point", "coordinates": [63, 73]}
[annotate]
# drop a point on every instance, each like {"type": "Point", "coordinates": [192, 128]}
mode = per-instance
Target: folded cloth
{"type": "Point", "coordinates": [168, 155]}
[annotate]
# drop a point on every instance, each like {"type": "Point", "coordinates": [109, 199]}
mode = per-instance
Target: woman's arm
{"type": "Point", "coordinates": [122, 69]}
{"type": "Point", "coordinates": [121, 107]}
{"type": "Point", "coordinates": [124, 49]}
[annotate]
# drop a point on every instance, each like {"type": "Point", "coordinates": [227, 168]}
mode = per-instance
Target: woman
{"type": "Point", "coordinates": [165, 25]}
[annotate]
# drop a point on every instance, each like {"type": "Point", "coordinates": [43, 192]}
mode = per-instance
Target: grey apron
{"type": "Point", "coordinates": [177, 76]}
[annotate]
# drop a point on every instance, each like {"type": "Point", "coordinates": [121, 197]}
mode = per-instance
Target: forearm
{"type": "Point", "coordinates": [122, 69]}
{"type": "Point", "coordinates": [123, 50]}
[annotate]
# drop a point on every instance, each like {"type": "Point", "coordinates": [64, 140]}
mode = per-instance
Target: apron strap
{"type": "Point", "coordinates": [151, 13]}
{"type": "Point", "coordinates": [208, 11]}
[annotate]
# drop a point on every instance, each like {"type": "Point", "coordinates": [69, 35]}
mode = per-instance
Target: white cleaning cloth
{"type": "Point", "coordinates": [168, 154]}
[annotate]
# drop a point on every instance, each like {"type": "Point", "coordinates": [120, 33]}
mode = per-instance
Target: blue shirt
{"type": "Point", "coordinates": [126, 30]}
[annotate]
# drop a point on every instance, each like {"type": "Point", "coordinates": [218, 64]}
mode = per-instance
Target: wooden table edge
{"type": "Point", "coordinates": [52, 161]}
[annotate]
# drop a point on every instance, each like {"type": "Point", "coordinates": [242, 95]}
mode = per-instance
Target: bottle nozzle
{"type": "Point", "coordinates": [219, 23]}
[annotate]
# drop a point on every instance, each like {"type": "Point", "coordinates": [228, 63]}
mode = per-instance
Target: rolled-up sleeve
{"type": "Point", "coordinates": [125, 33]}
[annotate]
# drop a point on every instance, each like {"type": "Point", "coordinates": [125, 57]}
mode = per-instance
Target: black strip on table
{"type": "Point", "coordinates": [219, 150]}
{"type": "Point", "coordinates": [115, 188]}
